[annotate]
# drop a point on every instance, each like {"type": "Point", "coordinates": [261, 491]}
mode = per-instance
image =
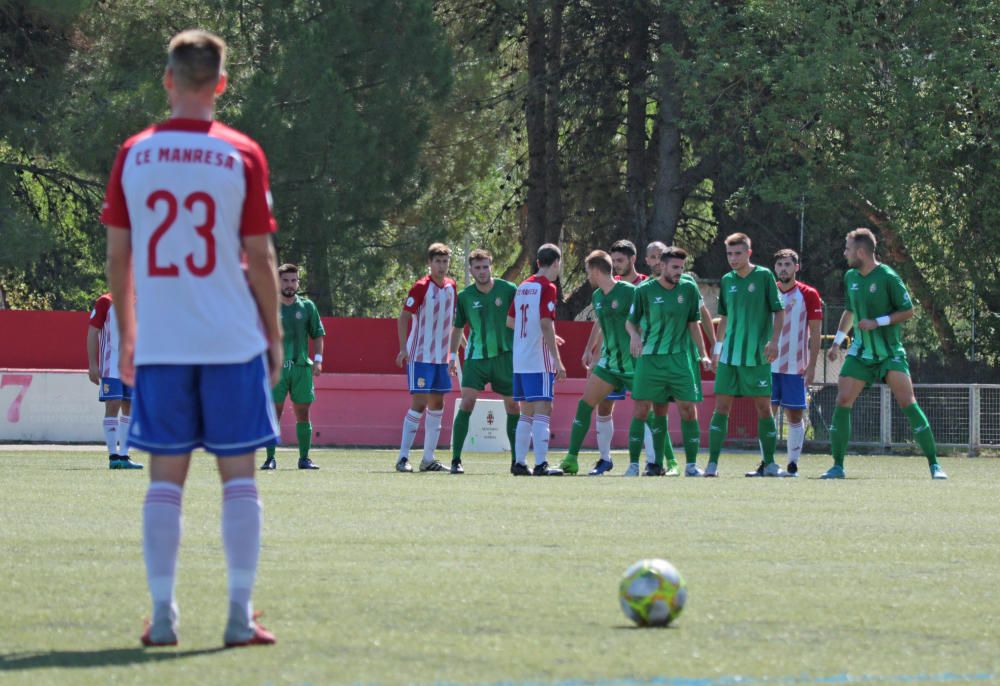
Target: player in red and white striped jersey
{"type": "Point", "coordinates": [430, 306]}
{"type": "Point", "coordinates": [186, 199]}
{"type": "Point", "coordinates": [793, 371]}
{"type": "Point", "coordinates": [537, 365]}
{"type": "Point", "coordinates": [102, 368]}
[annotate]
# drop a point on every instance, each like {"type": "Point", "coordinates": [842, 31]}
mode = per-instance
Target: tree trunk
{"type": "Point", "coordinates": [534, 116]}
{"type": "Point", "coordinates": [668, 192]}
{"type": "Point", "coordinates": [637, 68]}
{"type": "Point", "coordinates": [318, 267]}
{"type": "Point", "coordinates": [553, 175]}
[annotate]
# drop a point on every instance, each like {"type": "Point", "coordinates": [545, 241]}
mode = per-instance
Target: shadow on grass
{"type": "Point", "coordinates": [85, 659]}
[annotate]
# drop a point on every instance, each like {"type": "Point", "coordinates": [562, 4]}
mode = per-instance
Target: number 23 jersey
{"type": "Point", "coordinates": [189, 190]}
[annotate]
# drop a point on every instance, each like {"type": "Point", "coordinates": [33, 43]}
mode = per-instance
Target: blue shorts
{"type": "Point", "coordinates": [427, 377]}
{"type": "Point", "coordinates": [788, 390]}
{"type": "Point", "coordinates": [225, 408]}
{"type": "Point", "coordinates": [113, 389]}
{"type": "Point", "coordinates": [616, 395]}
{"type": "Point", "coordinates": [534, 386]}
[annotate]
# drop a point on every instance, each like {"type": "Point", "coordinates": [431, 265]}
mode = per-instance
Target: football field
{"type": "Point", "coordinates": [372, 577]}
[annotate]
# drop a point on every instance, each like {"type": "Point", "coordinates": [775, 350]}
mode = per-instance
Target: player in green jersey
{"type": "Point", "coordinates": [662, 324]}
{"type": "Point", "coordinates": [612, 372]}
{"type": "Point", "coordinates": [877, 297]}
{"type": "Point", "coordinates": [751, 317]}
{"type": "Point", "coordinates": [691, 445]}
{"type": "Point", "coordinates": [300, 321]}
{"type": "Point", "coordinates": [489, 357]}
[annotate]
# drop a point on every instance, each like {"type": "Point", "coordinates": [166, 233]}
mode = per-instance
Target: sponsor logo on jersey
{"type": "Point", "coordinates": [598, 306]}
{"type": "Point", "coordinates": [872, 288]}
{"type": "Point", "coordinates": [732, 289]}
{"type": "Point", "coordinates": [298, 315]}
{"type": "Point", "coordinates": [680, 298]}
{"type": "Point", "coordinates": [658, 300]}
{"type": "Point", "coordinates": [498, 302]}
{"type": "Point", "coordinates": [854, 287]}
{"type": "Point", "coordinates": [762, 383]}
{"type": "Point", "coordinates": [751, 288]}
{"type": "Point", "coordinates": [476, 305]}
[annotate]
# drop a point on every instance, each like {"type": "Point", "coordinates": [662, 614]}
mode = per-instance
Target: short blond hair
{"type": "Point", "coordinates": [196, 58]}
{"type": "Point", "coordinates": [599, 260]}
{"type": "Point", "coordinates": [437, 249]}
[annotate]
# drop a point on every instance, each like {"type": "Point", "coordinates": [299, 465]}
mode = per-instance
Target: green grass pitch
{"type": "Point", "coordinates": [372, 577]}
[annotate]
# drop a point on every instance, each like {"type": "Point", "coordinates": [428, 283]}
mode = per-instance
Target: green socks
{"type": "Point", "coordinates": [692, 439]}
{"type": "Point", "coordinates": [840, 434]}
{"type": "Point", "coordinates": [270, 451]}
{"type": "Point", "coordinates": [658, 427]}
{"type": "Point", "coordinates": [581, 425]}
{"type": "Point", "coordinates": [636, 439]}
{"type": "Point", "coordinates": [458, 433]}
{"type": "Point", "coordinates": [922, 433]}
{"type": "Point", "coordinates": [718, 428]}
{"type": "Point", "coordinates": [304, 433]}
{"type": "Point", "coordinates": [767, 435]}
{"type": "Point", "coordinates": [512, 420]}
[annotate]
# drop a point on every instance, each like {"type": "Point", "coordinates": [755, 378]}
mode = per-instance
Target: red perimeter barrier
{"type": "Point", "coordinates": [58, 340]}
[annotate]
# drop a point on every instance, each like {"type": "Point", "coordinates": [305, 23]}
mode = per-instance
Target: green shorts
{"type": "Point", "coordinates": [496, 371]}
{"type": "Point", "coordinates": [620, 382]}
{"type": "Point", "coordinates": [743, 382]}
{"type": "Point", "coordinates": [873, 371]}
{"type": "Point", "coordinates": [695, 363]}
{"type": "Point", "coordinates": [662, 378]}
{"type": "Point", "coordinates": [296, 380]}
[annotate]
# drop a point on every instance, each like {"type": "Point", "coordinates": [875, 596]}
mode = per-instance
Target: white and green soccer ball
{"type": "Point", "coordinates": [652, 593]}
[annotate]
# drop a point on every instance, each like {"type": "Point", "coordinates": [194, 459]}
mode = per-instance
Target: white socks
{"type": "Point", "coordinates": [123, 422]}
{"type": "Point", "coordinates": [111, 434]}
{"type": "Point", "coordinates": [648, 442]}
{"type": "Point", "coordinates": [796, 437]}
{"type": "Point", "coordinates": [605, 428]}
{"type": "Point", "coordinates": [411, 422]}
{"type": "Point", "coordinates": [522, 439]}
{"type": "Point", "coordinates": [241, 523]}
{"type": "Point", "coordinates": [540, 437]}
{"type": "Point", "coordinates": [432, 429]}
{"type": "Point", "coordinates": [161, 537]}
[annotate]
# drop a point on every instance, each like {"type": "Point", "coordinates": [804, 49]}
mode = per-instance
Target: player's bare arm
{"type": "Point", "coordinates": [262, 275]}
{"type": "Point", "coordinates": [894, 318]}
{"type": "Point", "coordinates": [815, 343]}
{"type": "Point", "coordinates": [549, 337]}
{"type": "Point", "coordinates": [694, 328]}
{"type": "Point", "coordinates": [457, 340]}
{"type": "Point", "coordinates": [589, 350]}
{"type": "Point", "coordinates": [720, 336]}
{"type": "Point", "coordinates": [510, 322]}
{"type": "Point", "coordinates": [635, 338]}
{"type": "Point", "coordinates": [93, 343]}
{"type": "Point", "coordinates": [707, 327]}
{"type": "Point", "coordinates": [402, 330]}
{"type": "Point", "coordinates": [846, 320]}
{"type": "Point", "coordinates": [318, 344]}
{"type": "Point", "coordinates": [122, 287]}
{"type": "Point", "coordinates": [771, 349]}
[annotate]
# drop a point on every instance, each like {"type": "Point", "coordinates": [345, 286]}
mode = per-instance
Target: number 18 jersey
{"type": "Point", "coordinates": [188, 190]}
{"type": "Point", "coordinates": [534, 300]}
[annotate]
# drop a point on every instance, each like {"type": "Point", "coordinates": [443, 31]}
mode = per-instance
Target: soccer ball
{"type": "Point", "coordinates": [652, 593]}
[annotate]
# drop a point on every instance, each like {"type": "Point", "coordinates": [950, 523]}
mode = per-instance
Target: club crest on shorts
{"type": "Point", "coordinates": [421, 382]}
